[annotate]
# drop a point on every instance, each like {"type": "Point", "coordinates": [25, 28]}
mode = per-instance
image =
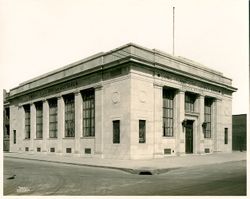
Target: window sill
{"type": "Point", "coordinates": [88, 137]}
{"type": "Point", "coordinates": [168, 137]}
{"type": "Point", "coordinates": [52, 138]}
{"type": "Point", "coordinates": [38, 139]}
{"type": "Point", "coordinates": [26, 139]}
{"type": "Point", "coordinates": [191, 113]}
{"type": "Point", "coordinates": [69, 138]}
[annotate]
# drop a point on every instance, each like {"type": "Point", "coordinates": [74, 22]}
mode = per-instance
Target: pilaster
{"type": "Point", "coordinates": [45, 125]}
{"type": "Point", "coordinates": [60, 123]}
{"type": "Point", "coordinates": [200, 133]}
{"type": "Point", "coordinates": [180, 116]}
{"type": "Point", "coordinates": [78, 120]}
{"type": "Point", "coordinates": [32, 126]}
{"type": "Point", "coordinates": [158, 102]}
{"type": "Point", "coordinates": [99, 121]}
{"type": "Point", "coordinates": [217, 128]}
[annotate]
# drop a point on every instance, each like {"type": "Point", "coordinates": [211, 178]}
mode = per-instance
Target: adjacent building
{"type": "Point", "coordinates": [6, 122]}
{"type": "Point", "coordinates": [128, 103]}
{"type": "Point", "coordinates": [240, 132]}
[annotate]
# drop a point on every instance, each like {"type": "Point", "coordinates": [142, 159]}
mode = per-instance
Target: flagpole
{"type": "Point", "coordinates": [173, 28]}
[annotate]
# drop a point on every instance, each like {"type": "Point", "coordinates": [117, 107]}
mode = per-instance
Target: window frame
{"type": "Point", "coordinates": [88, 112]}
{"type": "Point", "coordinates": [27, 123]}
{"type": "Point", "coordinates": [225, 135]}
{"type": "Point", "coordinates": [14, 136]}
{"type": "Point", "coordinates": [168, 112]}
{"type": "Point", "coordinates": [208, 117]}
{"type": "Point", "coordinates": [53, 117]}
{"type": "Point", "coordinates": [39, 119]}
{"type": "Point", "coordinates": [69, 115]}
{"type": "Point", "coordinates": [190, 100]}
{"type": "Point", "coordinates": [142, 131]}
{"type": "Point", "coordinates": [116, 131]}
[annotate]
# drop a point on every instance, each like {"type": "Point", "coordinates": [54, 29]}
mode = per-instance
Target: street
{"type": "Point", "coordinates": [46, 178]}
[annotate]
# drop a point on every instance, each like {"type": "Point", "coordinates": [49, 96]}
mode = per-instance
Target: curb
{"type": "Point", "coordinates": [137, 171]}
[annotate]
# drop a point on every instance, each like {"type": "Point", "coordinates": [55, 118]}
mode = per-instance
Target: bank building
{"type": "Point", "coordinates": [128, 103]}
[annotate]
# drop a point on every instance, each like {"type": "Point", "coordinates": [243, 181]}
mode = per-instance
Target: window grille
{"type": "Point", "coordinates": [69, 115]}
{"type": "Point", "coordinates": [207, 117]}
{"type": "Point", "coordinates": [39, 120]}
{"type": "Point", "coordinates": [88, 97]}
{"type": "Point", "coordinates": [189, 102]}
{"type": "Point", "coordinates": [27, 121]}
{"type": "Point", "coordinates": [116, 131]}
{"type": "Point", "coordinates": [53, 118]}
{"type": "Point", "coordinates": [168, 112]}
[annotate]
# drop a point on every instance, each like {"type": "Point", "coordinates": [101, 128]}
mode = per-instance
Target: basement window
{"type": "Point", "coordinates": [167, 151]}
{"type": "Point", "coordinates": [87, 150]}
{"type": "Point", "coordinates": [68, 150]}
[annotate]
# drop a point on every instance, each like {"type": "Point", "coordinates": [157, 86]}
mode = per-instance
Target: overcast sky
{"type": "Point", "coordinates": [38, 36]}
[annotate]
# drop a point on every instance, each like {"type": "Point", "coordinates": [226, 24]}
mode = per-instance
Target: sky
{"type": "Point", "coordinates": [38, 36]}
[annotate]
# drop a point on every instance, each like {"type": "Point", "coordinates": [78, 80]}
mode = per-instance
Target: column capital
{"type": "Point", "coordinates": [59, 97]}
{"type": "Point", "coordinates": [98, 86]}
{"type": "Point", "coordinates": [77, 92]}
{"type": "Point", "coordinates": [201, 95]}
{"type": "Point", "coordinates": [181, 91]}
{"type": "Point", "coordinates": [158, 85]}
{"type": "Point", "coordinates": [217, 99]}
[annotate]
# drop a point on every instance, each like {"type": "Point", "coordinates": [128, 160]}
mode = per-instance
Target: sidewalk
{"type": "Point", "coordinates": [155, 166]}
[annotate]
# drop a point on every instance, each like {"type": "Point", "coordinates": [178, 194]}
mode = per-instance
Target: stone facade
{"type": "Point", "coordinates": [128, 84]}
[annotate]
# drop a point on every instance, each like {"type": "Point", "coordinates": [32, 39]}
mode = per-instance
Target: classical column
{"type": "Point", "coordinates": [200, 133]}
{"type": "Point", "coordinates": [99, 121]}
{"type": "Point", "coordinates": [180, 116]}
{"type": "Point", "coordinates": [32, 126]}
{"type": "Point", "coordinates": [60, 124]}
{"type": "Point", "coordinates": [158, 132]}
{"type": "Point", "coordinates": [45, 124]}
{"type": "Point", "coordinates": [78, 120]}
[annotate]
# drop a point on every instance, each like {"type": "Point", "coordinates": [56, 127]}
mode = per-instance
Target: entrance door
{"type": "Point", "coordinates": [189, 136]}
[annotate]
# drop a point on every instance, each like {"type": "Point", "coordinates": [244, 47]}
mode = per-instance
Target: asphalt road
{"type": "Point", "coordinates": [44, 178]}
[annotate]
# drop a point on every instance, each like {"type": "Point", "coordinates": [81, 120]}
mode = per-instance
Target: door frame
{"type": "Point", "coordinates": [190, 126]}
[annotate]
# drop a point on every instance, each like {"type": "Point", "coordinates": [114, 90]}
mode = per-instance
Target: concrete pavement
{"type": "Point", "coordinates": [155, 166]}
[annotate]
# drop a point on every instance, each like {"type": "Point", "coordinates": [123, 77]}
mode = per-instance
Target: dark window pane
{"type": "Point", "coordinates": [142, 131]}
{"type": "Point", "coordinates": [27, 121]}
{"type": "Point", "coordinates": [168, 112]}
{"type": "Point", "coordinates": [53, 118]}
{"type": "Point", "coordinates": [39, 120]}
{"type": "Point", "coordinates": [116, 131]}
{"type": "Point", "coordinates": [208, 117]}
{"type": "Point", "coordinates": [88, 97]}
{"type": "Point", "coordinates": [69, 115]}
{"type": "Point", "coordinates": [226, 136]}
